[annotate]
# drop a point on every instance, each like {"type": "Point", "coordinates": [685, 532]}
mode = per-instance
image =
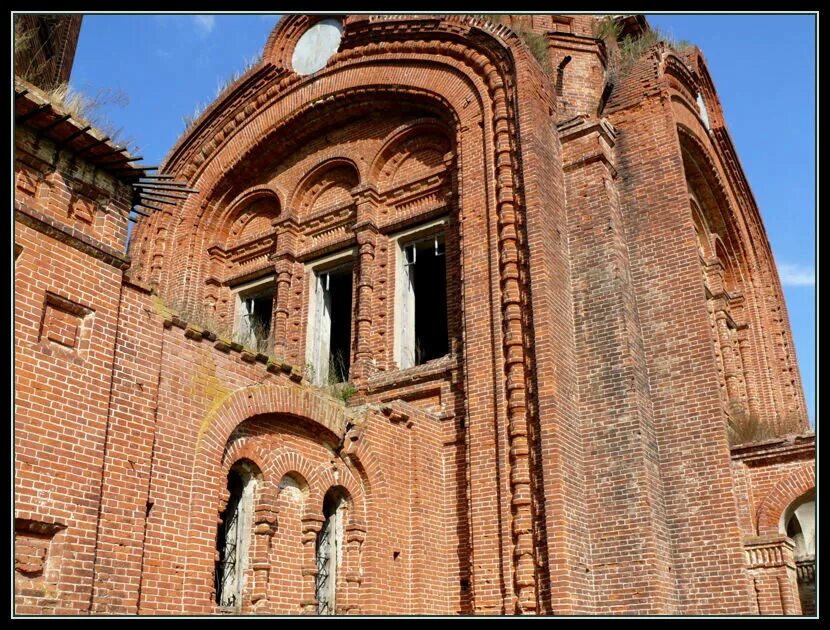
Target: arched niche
{"type": "Point", "coordinates": [327, 186]}
{"type": "Point", "coordinates": [294, 486]}
{"type": "Point", "coordinates": [798, 522]}
{"type": "Point", "coordinates": [410, 154]}
{"type": "Point", "coordinates": [722, 261]}
{"type": "Point", "coordinates": [248, 217]}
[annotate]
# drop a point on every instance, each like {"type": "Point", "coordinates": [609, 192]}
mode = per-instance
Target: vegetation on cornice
{"type": "Point", "coordinates": [84, 108]}
{"type": "Point", "coordinates": [223, 86]}
{"type": "Point", "coordinates": [744, 427]}
{"type": "Point", "coordinates": [623, 53]}
{"type": "Point", "coordinates": [537, 44]}
{"type": "Point", "coordinates": [198, 323]}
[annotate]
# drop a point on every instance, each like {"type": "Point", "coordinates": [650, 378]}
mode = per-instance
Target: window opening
{"type": "Point", "coordinates": [423, 331]}
{"type": "Point", "coordinates": [255, 307]}
{"type": "Point", "coordinates": [331, 327]}
{"type": "Point", "coordinates": [799, 523]}
{"type": "Point", "coordinates": [232, 540]}
{"type": "Point", "coordinates": [329, 551]}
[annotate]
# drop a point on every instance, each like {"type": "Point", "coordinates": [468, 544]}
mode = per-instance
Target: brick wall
{"type": "Point", "coordinates": [67, 295]}
{"type": "Point", "coordinates": [569, 455]}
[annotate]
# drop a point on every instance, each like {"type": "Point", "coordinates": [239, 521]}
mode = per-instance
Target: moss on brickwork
{"type": "Point", "coordinates": [204, 383]}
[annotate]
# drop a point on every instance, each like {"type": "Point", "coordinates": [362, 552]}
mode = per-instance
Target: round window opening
{"type": "Point", "coordinates": [316, 46]}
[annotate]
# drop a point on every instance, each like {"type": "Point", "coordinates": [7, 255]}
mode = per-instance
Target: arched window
{"type": "Point", "coordinates": [330, 550]}
{"type": "Point", "coordinates": [233, 537]}
{"type": "Point", "coordinates": [799, 523]}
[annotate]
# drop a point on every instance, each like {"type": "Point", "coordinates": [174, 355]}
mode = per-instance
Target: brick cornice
{"type": "Point", "coordinates": [777, 449]}
{"type": "Point", "coordinates": [74, 238]}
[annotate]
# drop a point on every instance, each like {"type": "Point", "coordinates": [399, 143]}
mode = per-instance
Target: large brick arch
{"type": "Point", "coordinates": [473, 85]}
{"type": "Point", "coordinates": [208, 484]}
{"type": "Point", "coordinates": [785, 492]}
{"type": "Point", "coordinates": [245, 403]}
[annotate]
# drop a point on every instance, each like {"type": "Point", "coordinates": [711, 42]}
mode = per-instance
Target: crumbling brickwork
{"type": "Point", "coordinates": [612, 314]}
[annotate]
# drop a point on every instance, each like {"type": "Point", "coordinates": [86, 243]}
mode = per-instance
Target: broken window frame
{"type": "Point", "coordinates": [405, 329]}
{"type": "Point", "coordinates": [318, 336]}
{"type": "Point", "coordinates": [244, 296]}
{"type": "Point", "coordinates": [235, 530]}
{"type": "Point", "coordinates": [329, 550]}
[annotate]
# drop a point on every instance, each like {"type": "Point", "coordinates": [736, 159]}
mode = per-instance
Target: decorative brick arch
{"type": "Point", "coordinates": [216, 428]}
{"type": "Point", "coordinates": [236, 207]}
{"type": "Point", "coordinates": [744, 238]}
{"type": "Point", "coordinates": [284, 462]}
{"type": "Point", "coordinates": [246, 449]}
{"type": "Point", "coordinates": [785, 492]}
{"type": "Point", "coordinates": [325, 479]}
{"type": "Point", "coordinates": [336, 171]}
{"type": "Point", "coordinates": [471, 83]}
{"type": "Point", "coordinates": [418, 135]}
{"type": "Point", "coordinates": [256, 400]}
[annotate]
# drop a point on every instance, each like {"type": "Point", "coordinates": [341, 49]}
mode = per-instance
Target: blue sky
{"type": "Point", "coordinates": [763, 67]}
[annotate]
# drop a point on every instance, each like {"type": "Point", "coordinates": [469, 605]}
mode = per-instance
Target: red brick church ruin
{"type": "Point", "coordinates": [425, 314]}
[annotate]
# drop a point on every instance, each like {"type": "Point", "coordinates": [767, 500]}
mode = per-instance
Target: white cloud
{"type": "Point", "coordinates": [794, 275]}
{"type": "Point", "coordinates": [205, 23]}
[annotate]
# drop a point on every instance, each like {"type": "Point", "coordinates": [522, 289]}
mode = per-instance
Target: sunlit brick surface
{"type": "Point", "coordinates": [569, 455]}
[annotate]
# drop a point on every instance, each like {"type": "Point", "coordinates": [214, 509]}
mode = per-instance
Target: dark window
{"type": "Point", "coordinates": [228, 547]}
{"type": "Point", "coordinates": [331, 329]}
{"type": "Point", "coordinates": [424, 336]}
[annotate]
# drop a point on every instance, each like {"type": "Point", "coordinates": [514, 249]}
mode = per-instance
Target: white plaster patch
{"type": "Point", "coordinates": [316, 46]}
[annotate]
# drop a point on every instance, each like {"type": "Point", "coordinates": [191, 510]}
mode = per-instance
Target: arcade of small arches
{"type": "Point", "coordinates": [746, 344]}
{"type": "Point", "coordinates": [329, 237]}
{"type": "Point", "coordinates": [302, 515]}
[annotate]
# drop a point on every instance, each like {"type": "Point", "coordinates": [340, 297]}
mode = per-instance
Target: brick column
{"type": "Point", "coordinates": [772, 569]}
{"type": "Point", "coordinates": [366, 199]}
{"type": "Point", "coordinates": [630, 559]}
{"type": "Point", "coordinates": [287, 232]}
{"type": "Point", "coordinates": [265, 525]}
{"type": "Point", "coordinates": [355, 535]}
{"type": "Point", "coordinates": [312, 524]}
